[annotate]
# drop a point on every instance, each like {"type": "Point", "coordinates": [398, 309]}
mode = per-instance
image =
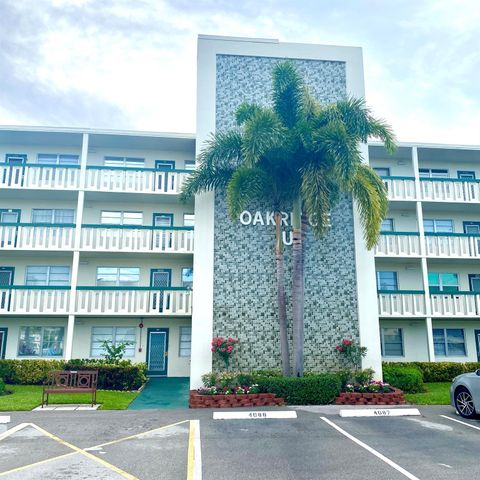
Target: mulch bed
{"type": "Point", "coordinates": [233, 401]}
{"type": "Point", "coordinates": [355, 398]}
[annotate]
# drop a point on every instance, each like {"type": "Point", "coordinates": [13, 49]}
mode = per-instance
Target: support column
{"type": "Point", "coordinates": [423, 253]}
{"type": "Point", "coordinates": [76, 249]}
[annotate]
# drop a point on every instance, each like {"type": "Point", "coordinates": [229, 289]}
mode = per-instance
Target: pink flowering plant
{"type": "Point", "coordinates": [224, 348]}
{"type": "Point", "coordinates": [351, 353]}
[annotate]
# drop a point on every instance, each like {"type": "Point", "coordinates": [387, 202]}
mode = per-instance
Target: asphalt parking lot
{"type": "Point", "coordinates": [189, 444]}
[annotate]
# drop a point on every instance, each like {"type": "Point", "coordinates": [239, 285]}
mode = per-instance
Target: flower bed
{"type": "Point", "coordinates": [393, 397]}
{"type": "Point", "coordinates": [197, 400]}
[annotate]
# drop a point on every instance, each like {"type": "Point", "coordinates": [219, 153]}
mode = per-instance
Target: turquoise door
{"type": "Point", "coordinates": [157, 351]}
{"type": "Point", "coordinates": [3, 341]}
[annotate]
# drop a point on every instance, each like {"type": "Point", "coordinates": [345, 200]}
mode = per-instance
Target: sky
{"type": "Point", "coordinates": [131, 64]}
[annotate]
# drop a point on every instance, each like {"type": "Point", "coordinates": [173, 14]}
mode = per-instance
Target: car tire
{"type": "Point", "coordinates": [464, 403]}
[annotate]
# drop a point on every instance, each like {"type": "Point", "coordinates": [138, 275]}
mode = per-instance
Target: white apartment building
{"type": "Point", "coordinates": [95, 245]}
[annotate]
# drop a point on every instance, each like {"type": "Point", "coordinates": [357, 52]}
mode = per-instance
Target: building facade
{"type": "Point", "coordinates": [95, 245]}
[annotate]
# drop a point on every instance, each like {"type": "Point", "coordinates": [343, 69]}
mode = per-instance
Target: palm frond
{"type": "Point", "coordinates": [245, 112]}
{"type": "Point", "coordinates": [287, 93]}
{"type": "Point", "coordinates": [383, 131]}
{"type": "Point", "coordinates": [245, 186]}
{"type": "Point", "coordinates": [222, 149]}
{"type": "Point", "coordinates": [371, 198]}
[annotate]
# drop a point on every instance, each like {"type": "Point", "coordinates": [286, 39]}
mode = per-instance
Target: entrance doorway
{"type": "Point", "coordinates": [477, 342]}
{"type": "Point", "coordinates": [165, 181]}
{"type": "Point", "coordinates": [8, 236]}
{"type": "Point", "coordinates": [160, 278]}
{"type": "Point", "coordinates": [6, 280]}
{"type": "Point", "coordinates": [157, 351]}
{"type": "Point", "coordinates": [3, 341]}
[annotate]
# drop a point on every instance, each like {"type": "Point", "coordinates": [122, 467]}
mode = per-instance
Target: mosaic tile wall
{"type": "Point", "coordinates": [244, 270]}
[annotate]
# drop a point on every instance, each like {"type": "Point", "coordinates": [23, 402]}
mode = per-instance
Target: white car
{"type": "Point", "coordinates": [465, 394]}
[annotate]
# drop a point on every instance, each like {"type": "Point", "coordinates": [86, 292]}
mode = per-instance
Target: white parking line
{"type": "Point", "coordinates": [459, 421]}
{"type": "Point", "coordinates": [371, 450]}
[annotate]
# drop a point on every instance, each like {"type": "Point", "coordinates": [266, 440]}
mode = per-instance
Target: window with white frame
{"type": "Point", "coordinates": [118, 276]}
{"type": "Point", "coordinates": [48, 275]}
{"type": "Point", "coordinates": [40, 342]}
{"type": "Point", "coordinates": [115, 336]}
{"type": "Point", "coordinates": [449, 342]}
{"type": "Point", "coordinates": [129, 162]}
{"type": "Point", "coordinates": [187, 277]}
{"type": "Point", "coordinates": [438, 225]}
{"type": "Point", "coordinates": [185, 346]}
{"type": "Point", "coordinates": [387, 281]}
{"type": "Point", "coordinates": [387, 225]}
{"type": "Point", "coordinates": [111, 217]}
{"type": "Point", "coordinates": [53, 215]}
{"type": "Point", "coordinates": [382, 171]}
{"type": "Point", "coordinates": [189, 164]}
{"type": "Point", "coordinates": [443, 282]}
{"type": "Point", "coordinates": [433, 173]}
{"type": "Point", "coordinates": [188, 219]}
{"type": "Point", "coordinates": [57, 159]}
{"type": "Point", "coordinates": [392, 342]}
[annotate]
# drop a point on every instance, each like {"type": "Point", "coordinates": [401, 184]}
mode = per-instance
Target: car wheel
{"type": "Point", "coordinates": [464, 403]}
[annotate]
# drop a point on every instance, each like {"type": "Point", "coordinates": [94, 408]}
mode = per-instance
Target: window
{"type": "Point", "coordinates": [16, 158]}
{"type": "Point", "coordinates": [439, 226]}
{"type": "Point", "coordinates": [392, 342]}
{"type": "Point", "coordinates": [129, 162]}
{"type": "Point", "coordinates": [387, 225]}
{"type": "Point", "coordinates": [433, 173]}
{"type": "Point", "coordinates": [187, 277]}
{"type": "Point", "coordinates": [382, 171]}
{"type": "Point", "coordinates": [165, 164]}
{"type": "Point", "coordinates": [387, 281]}
{"type": "Point", "coordinates": [110, 217]}
{"type": "Point", "coordinates": [188, 219]}
{"type": "Point", "coordinates": [449, 342]}
{"type": "Point", "coordinates": [118, 276]}
{"type": "Point", "coordinates": [57, 159]}
{"type": "Point", "coordinates": [466, 175]}
{"type": "Point", "coordinates": [189, 164]}
{"type": "Point", "coordinates": [47, 275]}
{"type": "Point", "coordinates": [41, 341]}
{"type": "Point", "coordinates": [443, 282]}
{"type": "Point", "coordinates": [185, 341]}
{"type": "Point", "coordinates": [53, 215]}
{"type": "Point", "coordinates": [471, 227]}
{"type": "Point", "coordinates": [116, 335]}
{"type": "Point", "coordinates": [474, 280]}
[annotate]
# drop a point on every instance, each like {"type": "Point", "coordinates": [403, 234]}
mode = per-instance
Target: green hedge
{"type": "Point", "coordinates": [438, 371]}
{"type": "Point", "coordinates": [122, 376]}
{"type": "Point", "coordinates": [2, 387]}
{"type": "Point", "coordinates": [408, 379]}
{"type": "Point", "coordinates": [318, 389]}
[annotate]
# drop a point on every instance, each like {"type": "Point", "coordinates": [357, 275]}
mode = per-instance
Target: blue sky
{"type": "Point", "coordinates": [132, 64]}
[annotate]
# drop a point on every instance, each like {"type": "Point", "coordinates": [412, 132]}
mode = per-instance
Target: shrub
{"type": "Point", "coordinates": [318, 389]}
{"type": "Point", "coordinates": [28, 371]}
{"type": "Point", "coordinates": [2, 387]}
{"type": "Point", "coordinates": [439, 371]}
{"type": "Point", "coordinates": [408, 379]}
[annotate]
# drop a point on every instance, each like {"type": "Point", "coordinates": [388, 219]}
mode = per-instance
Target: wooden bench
{"type": "Point", "coordinates": [74, 381]}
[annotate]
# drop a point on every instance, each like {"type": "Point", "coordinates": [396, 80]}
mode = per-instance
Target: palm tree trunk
{"type": "Point", "coordinates": [281, 299]}
{"type": "Point", "coordinates": [297, 288]}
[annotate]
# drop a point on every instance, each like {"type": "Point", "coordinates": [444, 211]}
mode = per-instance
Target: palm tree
{"type": "Point", "coordinates": [298, 153]}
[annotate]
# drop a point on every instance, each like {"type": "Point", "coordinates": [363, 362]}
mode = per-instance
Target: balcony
{"type": "Point", "coordinates": [35, 236]}
{"type": "Point", "coordinates": [401, 303]}
{"type": "Point", "coordinates": [152, 301]}
{"type": "Point", "coordinates": [137, 239]}
{"type": "Point", "coordinates": [452, 245]}
{"type": "Point", "coordinates": [450, 190]}
{"type": "Point", "coordinates": [39, 177]}
{"type": "Point", "coordinates": [400, 188]}
{"type": "Point", "coordinates": [134, 180]}
{"type": "Point", "coordinates": [398, 244]}
{"type": "Point", "coordinates": [458, 304]}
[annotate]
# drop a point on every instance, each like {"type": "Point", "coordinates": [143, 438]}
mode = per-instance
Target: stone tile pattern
{"type": "Point", "coordinates": [244, 270]}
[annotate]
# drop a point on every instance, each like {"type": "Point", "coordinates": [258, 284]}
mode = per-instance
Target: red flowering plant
{"type": "Point", "coordinates": [351, 353]}
{"type": "Point", "coordinates": [224, 348]}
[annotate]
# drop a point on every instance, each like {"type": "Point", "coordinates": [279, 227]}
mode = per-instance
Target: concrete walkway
{"type": "Point", "coordinates": [163, 392]}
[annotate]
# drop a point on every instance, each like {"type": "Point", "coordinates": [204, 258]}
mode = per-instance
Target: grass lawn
{"type": "Point", "coordinates": [436, 394]}
{"type": "Point", "coordinates": [27, 397]}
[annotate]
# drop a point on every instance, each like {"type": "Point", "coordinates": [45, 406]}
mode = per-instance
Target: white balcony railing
{"type": "Point", "coordinates": [452, 245]}
{"type": "Point", "coordinates": [450, 190]}
{"type": "Point", "coordinates": [406, 303]}
{"type": "Point", "coordinates": [460, 304]}
{"type": "Point", "coordinates": [400, 188]}
{"type": "Point", "coordinates": [398, 244]}
{"type": "Point", "coordinates": [31, 236]}
{"type": "Point", "coordinates": [137, 239]}
{"type": "Point", "coordinates": [144, 180]}
{"type": "Point", "coordinates": [36, 176]}
{"type": "Point", "coordinates": [134, 301]}
{"type": "Point", "coordinates": [34, 300]}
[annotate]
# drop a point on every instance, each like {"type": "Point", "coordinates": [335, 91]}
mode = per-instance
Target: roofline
{"type": "Point", "coordinates": [445, 146]}
{"type": "Point", "coordinates": [98, 131]}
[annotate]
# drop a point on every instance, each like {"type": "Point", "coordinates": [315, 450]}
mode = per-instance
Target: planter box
{"type": "Point", "coordinates": [233, 401]}
{"type": "Point", "coordinates": [355, 398]}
